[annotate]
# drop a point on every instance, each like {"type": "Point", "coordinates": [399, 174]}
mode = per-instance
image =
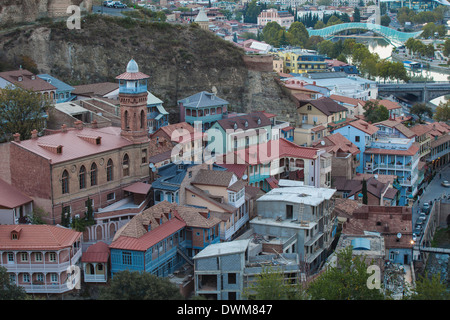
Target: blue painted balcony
{"type": "Point", "coordinates": [133, 86]}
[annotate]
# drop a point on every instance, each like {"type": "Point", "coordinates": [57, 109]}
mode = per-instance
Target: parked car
{"type": "Point", "coordinates": [118, 4]}
{"type": "Point", "coordinates": [107, 3]}
{"type": "Point", "coordinates": [426, 208]}
{"type": "Point", "coordinates": [446, 183]}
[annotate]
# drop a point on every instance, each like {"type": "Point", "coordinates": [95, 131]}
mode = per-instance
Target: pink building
{"type": "Point", "coordinates": [41, 258]}
{"type": "Point", "coordinates": [283, 18]}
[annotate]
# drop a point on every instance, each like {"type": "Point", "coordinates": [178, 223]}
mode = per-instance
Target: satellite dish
{"type": "Point", "coordinates": [322, 142]}
{"type": "Point", "coordinates": [153, 169]}
{"type": "Point", "coordinates": [151, 165]}
{"type": "Point", "coordinates": [244, 177]}
{"type": "Point", "coordinates": [399, 235]}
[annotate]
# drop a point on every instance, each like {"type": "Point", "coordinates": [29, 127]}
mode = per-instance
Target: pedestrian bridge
{"type": "Point", "coordinates": [393, 36]}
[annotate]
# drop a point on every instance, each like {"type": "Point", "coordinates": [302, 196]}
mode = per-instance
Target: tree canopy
{"type": "Point", "coordinates": [134, 285]}
{"type": "Point", "coordinates": [21, 111]}
{"type": "Point", "coordinates": [9, 290]}
{"type": "Point", "coordinates": [421, 110]}
{"type": "Point", "coordinates": [345, 281]}
{"type": "Point", "coordinates": [374, 112]}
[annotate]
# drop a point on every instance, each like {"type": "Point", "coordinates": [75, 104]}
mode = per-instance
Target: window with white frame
{"type": "Point", "coordinates": [26, 277]}
{"type": "Point", "coordinates": [53, 277]}
{"type": "Point", "coordinates": [38, 257]}
{"type": "Point", "coordinates": [10, 257]}
{"type": "Point", "coordinates": [39, 277]}
{"type": "Point", "coordinates": [52, 257]}
{"type": "Point", "coordinates": [24, 256]}
{"type": "Point", "coordinates": [12, 278]}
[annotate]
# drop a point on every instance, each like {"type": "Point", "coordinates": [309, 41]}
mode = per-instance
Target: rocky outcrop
{"type": "Point", "coordinates": [18, 11]}
{"type": "Point", "coordinates": [180, 60]}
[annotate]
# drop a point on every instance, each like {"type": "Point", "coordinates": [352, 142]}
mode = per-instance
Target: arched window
{"type": "Point", "coordinates": [93, 174]}
{"type": "Point", "coordinates": [65, 182]}
{"type": "Point", "coordinates": [125, 165]}
{"type": "Point", "coordinates": [82, 177]}
{"type": "Point", "coordinates": [109, 170]}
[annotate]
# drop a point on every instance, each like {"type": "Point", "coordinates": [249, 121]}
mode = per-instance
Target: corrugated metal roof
{"type": "Point", "coordinates": [150, 238]}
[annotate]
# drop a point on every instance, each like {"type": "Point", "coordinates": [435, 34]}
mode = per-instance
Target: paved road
{"type": "Point", "coordinates": [433, 190]}
{"type": "Point", "coordinates": [110, 11]}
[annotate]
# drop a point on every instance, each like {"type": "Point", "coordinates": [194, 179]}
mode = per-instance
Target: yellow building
{"type": "Point", "coordinates": [302, 61]}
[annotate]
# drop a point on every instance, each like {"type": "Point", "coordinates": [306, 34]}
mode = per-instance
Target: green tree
{"type": "Point", "coordinates": [345, 281]}
{"type": "Point", "coordinates": [319, 25]}
{"type": "Point", "coordinates": [251, 12]}
{"type": "Point", "coordinates": [374, 112]}
{"type": "Point", "coordinates": [430, 288]}
{"type": "Point", "coordinates": [21, 111]}
{"type": "Point", "coordinates": [297, 34]}
{"type": "Point", "coordinates": [270, 284]}
{"type": "Point", "coordinates": [135, 285]}
{"type": "Point", "coordinates": [356, 15]}
{"type": "Point", "coordinates": [442, 112]}
{"type": "Point", "coordinates": [421, 110]}
{"type": "Point", "coordinates": [385, 20]}
{"type": "Point", "coordinates": [9, 290]}
{"type": "Point", "coordinates": [364, 192]}
{"type": "Point", "coordinates": [272, 33]}
{"type": "Point", "coordinates": [446, 50]}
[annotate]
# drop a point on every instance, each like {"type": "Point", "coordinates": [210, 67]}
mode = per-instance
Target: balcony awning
{"type": "Point", "coordinates": [138, 187]}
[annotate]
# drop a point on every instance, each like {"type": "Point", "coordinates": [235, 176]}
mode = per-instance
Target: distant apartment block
{"type": "Point", "coordinates": [283, 18]}
{"type": "Point", "coordinates": [300, 218]}
{"type": "Point", "coordinates": [226, 271]}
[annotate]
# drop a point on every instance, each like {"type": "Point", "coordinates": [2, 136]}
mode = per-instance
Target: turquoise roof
{"type": "Point", "coordinates": [361, 244]}
{"type": "Point", "coordinates": [132, 66]}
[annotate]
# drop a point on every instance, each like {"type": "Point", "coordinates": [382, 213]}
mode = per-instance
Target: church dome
{"type": "Point", "coordinates": [132, 66]}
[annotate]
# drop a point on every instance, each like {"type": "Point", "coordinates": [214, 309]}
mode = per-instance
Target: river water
{"type": "Point", "coordinates": [384, 50]}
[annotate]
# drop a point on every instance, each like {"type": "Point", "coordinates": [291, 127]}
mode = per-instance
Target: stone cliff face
{"type": "Point", "coordinates": [180, 60]}
{"type": "Point", "coordinates": [30, 10]}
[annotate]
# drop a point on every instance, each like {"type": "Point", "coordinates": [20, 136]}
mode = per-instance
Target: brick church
{"type": "Point", "coordinates": [109, 165]}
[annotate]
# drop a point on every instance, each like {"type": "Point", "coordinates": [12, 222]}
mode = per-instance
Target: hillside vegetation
{"type": "Point", "coordinates": [180, 59]}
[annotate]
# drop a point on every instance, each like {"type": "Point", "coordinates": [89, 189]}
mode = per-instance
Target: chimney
{"type": "Point", "coordinates": [314, 83]}
{"type": "Point", "coordinates": [94, 124]}
{"type": "Point", "coordinates": [34, 134]}
{"type": "Point", "coordinates": [16, 137]}
{"type": "Point", "coordinates": [78, 124]}
{"type": "Point", "coordinates": [64, 128]}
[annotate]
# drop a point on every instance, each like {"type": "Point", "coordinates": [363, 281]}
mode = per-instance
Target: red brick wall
{"type": "Point", "coordinates": [30, 173]}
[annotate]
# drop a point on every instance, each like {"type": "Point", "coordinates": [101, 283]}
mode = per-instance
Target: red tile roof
{"type": "Point", "coordinates": [390, 105]}
{"type": "Point", "coordinates": [399, 126]}
{"type": "Point", "coordinates": [337, 143]}
{"type": "Point", "coordinates": [98, 252]}
{"type": "Point", "coordinates": [274, 149]}
{"type": "Point", "coordinates": [149, 239]}
{"type": "Point", "coordinates": [410, 152]}
{"type": "Point", "coordinates": [347, 100]}
{"type": "Point", "coordinates": [10, 197]}
{"type": "Point", "coordinates": [29, 80]}
{"type": "Point", "coordinates": [138, 187]}
{"type": "Point", "coordinates": [37, 237]}
{"type": "Point", "coordinates": [73, 145]}
{"type": "Point", "coordinates": [364, 126]}
{"type": "Point", "coordinates": [132, 76]}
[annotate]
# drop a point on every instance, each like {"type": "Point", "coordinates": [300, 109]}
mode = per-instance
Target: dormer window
{"type": "Point", "coordinates": [246, 123]}
{"type": "Point", "coordinates": [235, 126]}
{"type": "Point", "coordinates": [33, 77]}
{"type": "Point", "coordinates": [259, 121]}
{"type": "Point", "coordinates": [19, 79]}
